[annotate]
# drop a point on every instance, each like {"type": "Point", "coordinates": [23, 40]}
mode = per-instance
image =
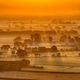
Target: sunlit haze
{"type": "Point", "coordinates": [39, 7]}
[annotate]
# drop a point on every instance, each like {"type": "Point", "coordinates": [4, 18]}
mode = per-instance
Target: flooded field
{"type": "Point", "coordinates": [56, 61]}
{"type": "Point", "coordinates": [50, 61]}
{"type": "Point", "coordinates": [44, 60]}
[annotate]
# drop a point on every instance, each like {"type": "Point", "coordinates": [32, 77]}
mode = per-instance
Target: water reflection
{"type": "Point", "coordinates": [55, 61]}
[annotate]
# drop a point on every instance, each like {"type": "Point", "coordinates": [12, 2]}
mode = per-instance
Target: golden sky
{"type": "Point", "coordinates": [39, 7]}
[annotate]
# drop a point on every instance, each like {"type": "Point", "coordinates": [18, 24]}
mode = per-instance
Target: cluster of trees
{"type": "Point", "coordinates": [66, 38]}
{"type": "Point", "coordinates": [19, 44]}
{"type": "Point", "coordinates": [21, 48]}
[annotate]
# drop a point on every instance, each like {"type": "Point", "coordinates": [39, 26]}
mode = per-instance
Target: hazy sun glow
{"type": "Point", "coordinates": [39, 7]}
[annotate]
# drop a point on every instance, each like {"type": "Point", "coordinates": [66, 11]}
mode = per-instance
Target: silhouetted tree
{"type": "Point", "coordinates": [55, 51]}
{"type": "Point", "coordinates": [5, 47]}
{"type": "Point", "coordinates": [63, 38]}
{"type": "Point", "coordinates": [50, 39]}
{"type": "Point", "coordinates": [18, 42]}
{"type": "Point", "coordinates": [36, 38]}
{"type": "Point", "coordinates": [21, 53]}
{"type": "Point", "coordinates": [42, 49]}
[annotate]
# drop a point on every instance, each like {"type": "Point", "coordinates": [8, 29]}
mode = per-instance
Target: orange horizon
{"type": "Point", "coordinates": [39, 7]}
